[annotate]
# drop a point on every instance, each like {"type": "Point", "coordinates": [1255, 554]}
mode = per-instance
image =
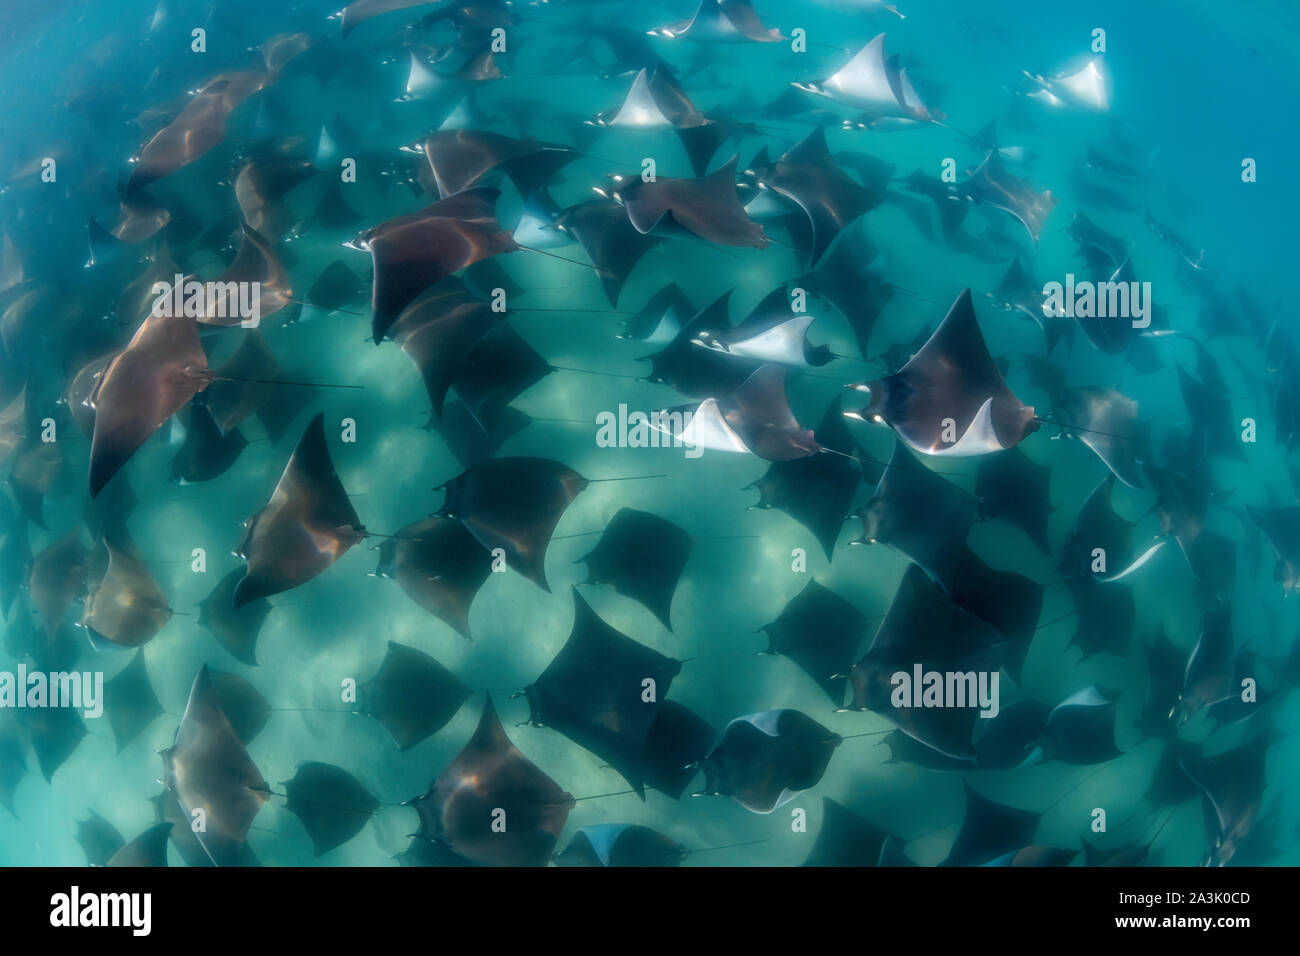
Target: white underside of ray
{"type": "Point", "coordinates": [978, 439]}
{"type": "Point", "coordinates": [1085, 87]}
{"type": "Point", "coordinates": [863, 82]}
{"type": "Point", "coordinates": [786, 797]}
{"type": "Point", "coordinates": [708, 429]}
{"type": "Point", "coordinates": [709, 24]}
{"type": "Point", "coordinates": [537, 232]}
{"type": "Point", "coordinates": [1142, 559]}
{"type": "Point", "coordinates": [1108, 460]}
{"type": "Point", "coordinates": [640, 108]}
{"type": "Point", "coordinates": [910, 97]}
{"type": "Point", "coordinates": [767, 205]}
{"type": "Point", "coordinates": [1048, 97]}
{"type": "Point", "coordinates": [422, 82]}
{"type": "Point", "coordinates": [766, 721]}
{"type": "Point", "coordinates": [1088, 697]}
{"type": "Point", "coordinates": [782, 343]}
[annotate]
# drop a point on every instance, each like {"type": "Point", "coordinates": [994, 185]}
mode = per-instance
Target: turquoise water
{"type": "Point", "coordinates": [1202, 86]}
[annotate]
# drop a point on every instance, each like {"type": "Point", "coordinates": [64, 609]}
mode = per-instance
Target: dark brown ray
{"type": "Point", "coordinates": [161, 369]}
{"type": "Point", "coordinates": [437, 330]}
{"type": "Point", "coordinates": [808, 176]}
{"type": "Point", "coordinates": [921, 515]}
{"type": "Point", "coordinates": [136, 300]}
{"type": "Point", "coordinates": [57, 578]}
{"type": "Point", "coordinates": [335, 287]}
{"type": "Point", "coordinates": [54, 733]}
{"type": "Point", "coordinates": [206, 453]}
{"type": "Point", "coordinates": [1282, 528]}
{"type": "Point", "coordinates": [1233, 785]}
{"type": "Point", "coordinates": [1081, 729]}
{"type": "Point", "coordinates": [330, 803]}
{"type": "Point", "coordinates": [36, 466]}
{"type": "Point", "coordinates": [641, 556]}
{"type": "Point", "coordinates": [1012, 487]}
{"type": "Point", "coordinates": [99, 839]}
{"type": "Point", "coordinates": [764, 760]}
{"type": "Point", "coordinates": [1019, 292]}
{"type": "Point", "coordinates": [459, 159]}
{"type": "Point", "coordinates": [235, 629]}
{"type": "Point", "coordinates": [821, 632]}
{"type": "Point", "coordinates": [661, 318]}
{"type": "Point", "coordinates": [412, 695]}
{"type": "Point", "coordinates": [242, 703]}
{"type": "Point", "coordinates": [492, 805]}
{"type": "Point", "coordinates": [148, 849]}
{"type": "Point", "coordinates": [208, 769]}
{"type": "Point", "coordinates": [990, 831]}
{"type": "Point", "coordinates": [845, 281]}
{"type": "Point", "coordinates": [467, 440]}
{"type": "Point", "coordinates": [925, 629]}
{"type": "Point", "coordinates": [950, 398]}
{"type": "Point", "coordinates": [1108, 423]}
{"type": "Point", "coordinates": [992, 185]}
{"type": "Point", "coordinates": [138, 219]}
{"type": "Point", "coordinates": [621, 844]}
{"type": "Point", "coordinates": [81, 387]}
{"type": "Point", "coordinates": [610, 241]}
{"type": "Point", "coordinates": [127, 607]}
{"type": "Point", "coordinates": [845, 839]}
{"type": "Point", "coordinates": [514, 504]}
{"type": "Point", "coordinates": [817, 491]}
{"type": "Point", "coordinates": [674, 746]}
{"type": "Point", "coordinates": [497, 369]}
{"type": "Point", "coordinates": [708, 208]}
{"type": "Point", "coordinates": [308, 524]}
{"type": "Point", "coordinates": [411, 253]}
{"type": "Point", "coordinates": [279, 50]}
{"type": "Point", "coordinates": [1209, 676]}
{"type": "Point", "coordinates": [241, 387]}
{"type": "Point", "coordinates": [256, 262]}
{"type": "Point", "coordinates": [439, 565]}
{"type": "Point", "coordinates": [198, 127]}
{"type": "Point", "coordinates": [260, 190]}
{"type": "Point", "coordinates": [1011, 602]}
{"type": "Point", "coordinates": [602, 691]}
{"type": "Point", "coordinates": [130, 702]}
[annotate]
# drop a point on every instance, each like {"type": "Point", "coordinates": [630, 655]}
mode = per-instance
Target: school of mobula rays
{"type": "Point", "coordinates": [804, 207]}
